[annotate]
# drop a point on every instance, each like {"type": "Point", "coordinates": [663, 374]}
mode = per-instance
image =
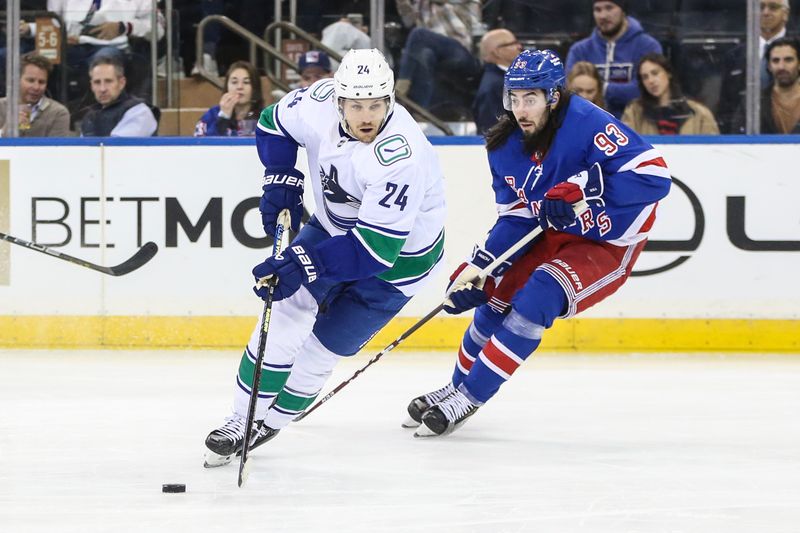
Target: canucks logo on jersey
{"type": "Point", "coordinates": [336, 198]}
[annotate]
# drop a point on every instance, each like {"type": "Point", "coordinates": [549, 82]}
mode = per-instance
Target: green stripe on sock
{"type": "Point", "coordinates": [291, 402]}
{"type": "Point", "coordinates": [272, 381]}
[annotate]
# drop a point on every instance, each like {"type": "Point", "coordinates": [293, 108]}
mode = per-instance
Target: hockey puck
{"type": "Point", "coordinates": [175, 487]}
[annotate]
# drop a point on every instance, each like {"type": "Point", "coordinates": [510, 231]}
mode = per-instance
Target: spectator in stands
{"type": "Point", "coordinates": [238, 109]}
{"type": "Point", "coordinates": [211, 35]}
{"type": "Point", "coordinates": [615, 47]}
{"type": "Point", "coordinates": [662, 109]}
{"type": "Point", "coordinates": [345, 34]}
{"type": "Point", "coordinates": [314, 65]}
{"type": "Point", "coordinates": [774, 16]}
{"type": "Point", "coordinates": [440, 42]}
{"type": "Point", "coordinates": [584, 80]}
{"type": "Point", "coordinates": [26, 43]}
{"type": "Point", "coordinates": [498, 49]}
{"type": "Point", "coordinates": [780, 101]}
{"type": "Point", "coordinates": [39, 116]}
{"type": "Point", "coordinates": [107, 28]}
{"type": "Point", "coordinates": [784, 98]}
{"type": "Point", "coordinates": [115, 113]}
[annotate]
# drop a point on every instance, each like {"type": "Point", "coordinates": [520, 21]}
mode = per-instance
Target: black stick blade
{"type": "Point", "coordinates": [137, 260]}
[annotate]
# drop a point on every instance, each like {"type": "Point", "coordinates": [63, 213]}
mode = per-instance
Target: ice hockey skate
{"type": "Point", "coordinates": [226, 442]}
{"type": "Point", "coordinates": [420, 404]}
{"type": "Point", "coordinates": [446, 416]}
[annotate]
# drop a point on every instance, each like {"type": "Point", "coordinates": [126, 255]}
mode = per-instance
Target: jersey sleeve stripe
{"type": "Point", "coordinates": [283, 130]}
{"type": "Point", "coordinates": [643, 157]}
{"type": "Point", "coordinates": [514, 209]}
{"type": "Point", "coordinates": [383, 231]}
{"type": "Point", "coordinates": [383, 249]}
{"type": "Point", "coordinates": [638, 229]}
{"type": "Point", "coordinates": [424, 250]}
{"type": "Point", "coordinates": [653, 170]}
{"type": "Point", "coordinates": [658, 162]}
{"type": "Point", "coordinates": [410, 270]}
{"type": "Point", "coordinates": [266, 121]}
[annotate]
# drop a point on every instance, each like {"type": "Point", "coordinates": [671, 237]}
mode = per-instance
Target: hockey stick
{"type": "Point", "coordinates": [284, 219]}
{"type": "Point", "coordinates": [579, 207]}
{"type": "Point", "coordinates": [142, 256]}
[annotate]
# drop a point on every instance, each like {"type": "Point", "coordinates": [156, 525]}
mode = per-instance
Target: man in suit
{"type": "Point", "coordinates": [498, 49]}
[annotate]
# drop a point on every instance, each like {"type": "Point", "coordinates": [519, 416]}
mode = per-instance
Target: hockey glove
{"type": "Point", "coordinates": [299, 265]}
{"type": "Point", "coordinates": [283, 189]}
{"type": "Point", "coordinates": [557, 209]}
{"type": "Point", "coordinates": [465, 290]}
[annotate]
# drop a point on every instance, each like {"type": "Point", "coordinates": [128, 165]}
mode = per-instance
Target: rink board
{"type": "Point", "coordinates": [719, 273]}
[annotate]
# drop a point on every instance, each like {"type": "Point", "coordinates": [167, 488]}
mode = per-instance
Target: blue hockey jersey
{"type": "Point", "coordinates": [622, 176]}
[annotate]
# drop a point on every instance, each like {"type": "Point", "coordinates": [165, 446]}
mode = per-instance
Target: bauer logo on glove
{"type": "Point", "coordinates": [284, 179]}
{"type": "Point", "coordinates": [296, 267]}
{"type": "Point", "coordinates": [306, 262]}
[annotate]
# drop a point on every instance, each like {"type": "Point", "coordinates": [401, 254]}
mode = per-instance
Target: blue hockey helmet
{"type": "Point", "coordinates": [534, 69]}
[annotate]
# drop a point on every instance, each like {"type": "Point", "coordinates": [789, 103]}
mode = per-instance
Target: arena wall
{"type": "Point", "coordinates": [719, 272]}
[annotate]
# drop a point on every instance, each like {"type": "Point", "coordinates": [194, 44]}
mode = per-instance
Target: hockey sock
{"type": "Point", "coordinates": [541, 301]}
{"type": "Point", "coordinates": [312, 367]}
{"type": "Point", "coordinates": [485, 322]}
{"type": "Point", "coordinates": [273, 378]}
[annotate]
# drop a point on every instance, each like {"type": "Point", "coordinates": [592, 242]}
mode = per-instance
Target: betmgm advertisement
{"type": "Point", "coordinates": [717, 273]}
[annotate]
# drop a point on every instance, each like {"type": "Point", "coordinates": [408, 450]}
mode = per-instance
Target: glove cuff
{"type": "Point", "coordinates": [482, 258]}
{"type": "Point", "coordinates": [309, 261]}
{"type": "Point", "coordinates": [288, 178]}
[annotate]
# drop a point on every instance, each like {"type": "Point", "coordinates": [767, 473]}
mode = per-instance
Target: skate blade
{"type": "Point", "coordinates": [214, 460]}
{"type": "Point", "coordinates": [410, 423]}
{"type": "Point", "coordinates": [424, 432]}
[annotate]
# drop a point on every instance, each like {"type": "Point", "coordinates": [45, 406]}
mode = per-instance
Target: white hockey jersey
{"type": "Point", "coordinates": [389, 193]}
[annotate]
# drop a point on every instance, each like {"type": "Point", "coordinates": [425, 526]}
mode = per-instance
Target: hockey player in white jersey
{"type": "Point", "coordinates": [377, 234]}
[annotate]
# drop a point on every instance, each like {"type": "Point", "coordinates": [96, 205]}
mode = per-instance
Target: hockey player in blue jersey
{"type": "Point", "coordinates": [552, 152]}
{"type": "Point", "coordinates": [376, 236]}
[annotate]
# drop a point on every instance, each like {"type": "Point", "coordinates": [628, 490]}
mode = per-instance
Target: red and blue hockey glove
{"type": "Point", "coordinates": [557, 208]}
{"type": "Point", "coordinates": [283, 189]}
{"type": "Point", "coordinates": [299, 265]}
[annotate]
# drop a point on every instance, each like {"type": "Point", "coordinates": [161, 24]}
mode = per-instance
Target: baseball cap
{"type": "Point", "coordinates": [315, 58]}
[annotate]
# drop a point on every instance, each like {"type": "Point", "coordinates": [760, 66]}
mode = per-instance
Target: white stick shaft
{"type": "Point", "coordinates": [579, 207]}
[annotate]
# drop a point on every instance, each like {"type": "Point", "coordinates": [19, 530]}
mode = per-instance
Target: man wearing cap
{"type": "Point", "coordinates": [614, 47]}
{"type": "Point", "coordinates": [314, 65]}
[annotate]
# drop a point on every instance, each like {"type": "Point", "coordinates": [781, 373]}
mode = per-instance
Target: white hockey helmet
{"type": "Point", "coordinates": [363, 74]}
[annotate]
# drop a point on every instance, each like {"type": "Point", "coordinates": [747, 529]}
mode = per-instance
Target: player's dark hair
{"type": "Point", "coordinates": [498, 134]}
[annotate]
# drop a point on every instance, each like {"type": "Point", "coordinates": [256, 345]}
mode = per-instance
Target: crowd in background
{"type": "Point", "coordinates": [664, 67]}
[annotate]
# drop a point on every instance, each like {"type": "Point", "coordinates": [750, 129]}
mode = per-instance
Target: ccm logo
{"type": "Point", "coordinates": [305, 261]}
{"type": "Point", "coordinates": [283, 179]}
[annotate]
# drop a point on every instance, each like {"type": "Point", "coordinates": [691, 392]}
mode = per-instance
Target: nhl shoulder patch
{"type": "Point", "coordinates": [392, 149]}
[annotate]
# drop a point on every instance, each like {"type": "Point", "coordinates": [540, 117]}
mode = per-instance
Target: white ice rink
{"type": "Point", "coordinates": [617, 444]}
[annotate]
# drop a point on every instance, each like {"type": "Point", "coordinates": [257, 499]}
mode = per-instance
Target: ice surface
{"type": "Point", "coordinates": [597, 443]}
